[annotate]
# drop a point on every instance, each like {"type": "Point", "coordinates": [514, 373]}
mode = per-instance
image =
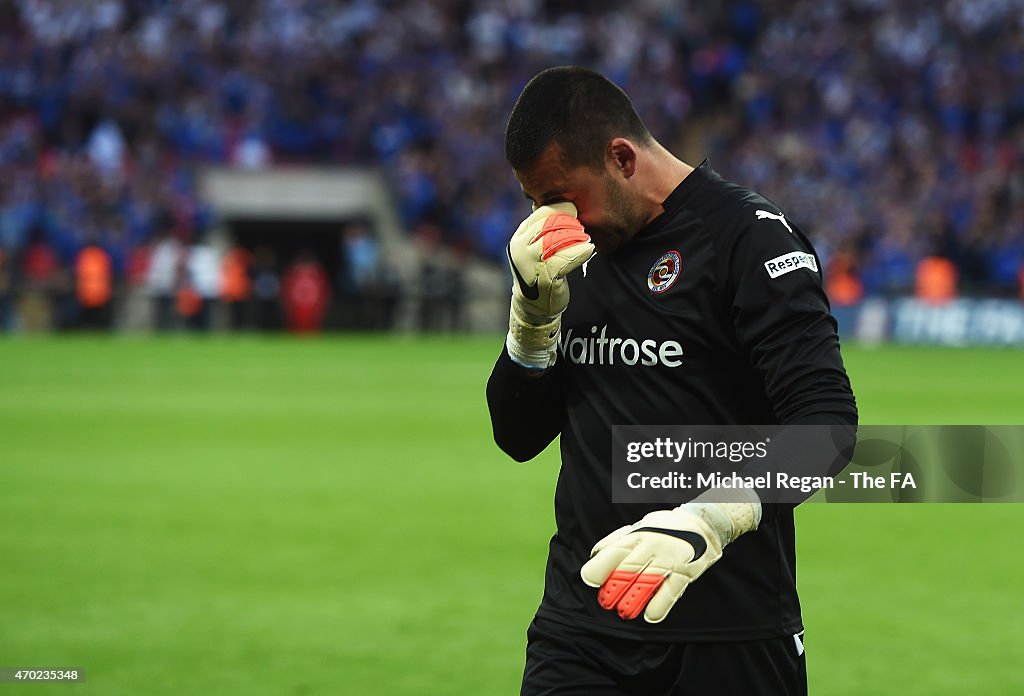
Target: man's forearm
{"type": "Point", "coordinates": [526, 408]}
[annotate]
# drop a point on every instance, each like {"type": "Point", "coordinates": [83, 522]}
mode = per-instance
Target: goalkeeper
{"type": "Point", "coordinates": [702, 305]}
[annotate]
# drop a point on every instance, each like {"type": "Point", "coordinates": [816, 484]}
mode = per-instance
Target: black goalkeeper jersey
{"type": "Point", "coordinates": [713, 313]}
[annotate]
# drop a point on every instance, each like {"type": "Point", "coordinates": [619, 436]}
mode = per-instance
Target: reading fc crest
{"type": "Point", "coordinates": [664, 272]}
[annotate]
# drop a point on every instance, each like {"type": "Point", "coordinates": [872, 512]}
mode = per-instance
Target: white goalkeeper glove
{"type": "Point", "coordinates": [547, 246]}
{"type": "Point", "coordinates": [648, 565]}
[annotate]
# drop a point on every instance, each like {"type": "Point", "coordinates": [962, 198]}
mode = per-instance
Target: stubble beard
{"type": "Point", "coordinates": [623, 221]}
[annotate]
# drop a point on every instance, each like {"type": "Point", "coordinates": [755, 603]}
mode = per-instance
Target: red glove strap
{"type": "Point", "coordinates": [560, 231]}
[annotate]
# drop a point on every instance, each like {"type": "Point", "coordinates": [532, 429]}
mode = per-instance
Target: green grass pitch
{"type": "Point", "coordinates": [273, 516]}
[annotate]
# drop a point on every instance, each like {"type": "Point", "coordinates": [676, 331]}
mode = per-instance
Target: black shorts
{"type": "Point", "coordinates": [567, 661]}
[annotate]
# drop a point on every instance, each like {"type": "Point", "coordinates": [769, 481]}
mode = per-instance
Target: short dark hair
{"type": "Point", "coordinates": [577, 109]}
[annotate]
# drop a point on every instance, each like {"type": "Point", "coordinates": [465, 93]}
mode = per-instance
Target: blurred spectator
{"type": "Point", "coordinates": [305, 293]}
{"type": "Point", "coordinates": [359, 277]}
{"type": "Point", "coordinates": [266, 289]}
{"type": "Point", "coordinates": [202, 276]}
{"type": "Point", "coordinates": [161, 278]}
{"type": "Point", "coordinates": [188, 303]}
{"type": "Point", "coordinates": [94, 287]}
{"type": "Point", "coordinates": [935, 280]}
{"type": "Point", "coordinates": [842, 285]}
{"type": "Point", "coordinates": [236, 287]}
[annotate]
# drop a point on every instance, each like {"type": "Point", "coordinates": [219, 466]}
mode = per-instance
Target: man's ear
{"type": "Point", "coordinates": [620, 157]}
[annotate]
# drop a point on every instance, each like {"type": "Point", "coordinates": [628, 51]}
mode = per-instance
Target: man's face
{"type": "Point", "coordinates": [608, 212]}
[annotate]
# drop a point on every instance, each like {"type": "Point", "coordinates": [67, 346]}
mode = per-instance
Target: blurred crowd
{"type": "Point", "coordinates": [891, 131]}
{"type": "Point", "coordinates": [895, 132]}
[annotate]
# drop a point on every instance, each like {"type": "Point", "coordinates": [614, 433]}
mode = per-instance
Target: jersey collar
{"type": "Point", "coordinates": [689, 187]}
{"type": "Point", "coordinates": [683, 194]}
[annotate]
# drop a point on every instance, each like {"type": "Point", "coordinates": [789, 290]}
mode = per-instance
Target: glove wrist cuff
{"type": "Point", "coordinates": [730, 513]}
{"type": "Point", "coordinates": [540, 359]}
{"type": "Point", "coordinates": [532, 345]}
